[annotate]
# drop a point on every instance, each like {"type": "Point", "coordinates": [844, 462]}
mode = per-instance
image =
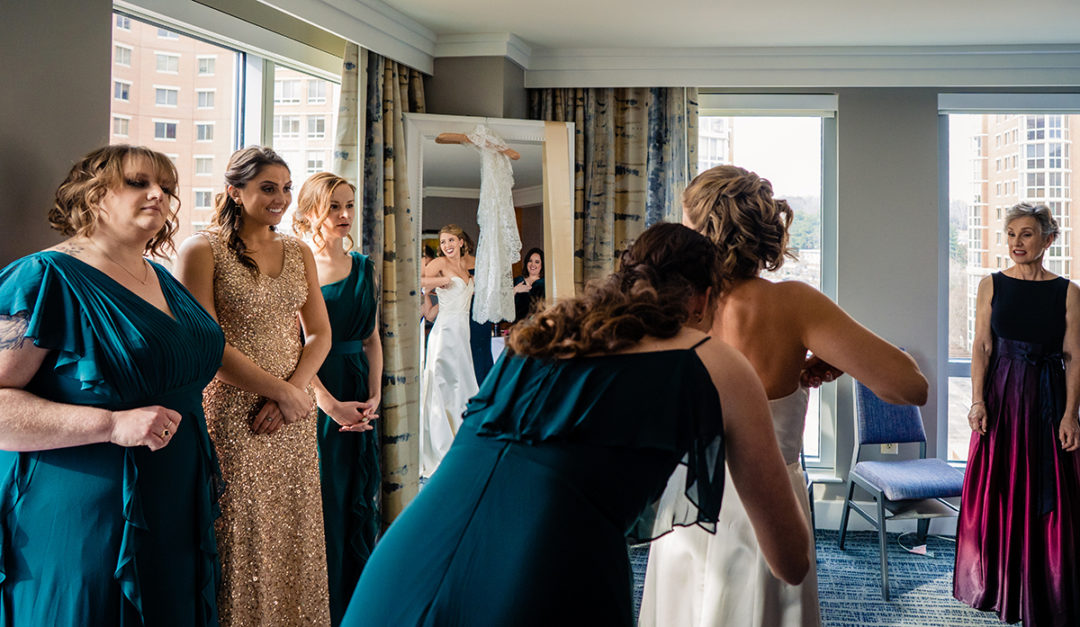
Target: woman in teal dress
{"type": "Point", "coordinates": [602, 422]}
{"type": "Point", "coordinates": [109, 482]}
{"type": "Point", "coordinates": [349, 384]}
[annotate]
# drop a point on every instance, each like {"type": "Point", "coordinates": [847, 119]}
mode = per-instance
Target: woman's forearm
{"type": "Point", "coordinates": [373, 350]}
{"type": "Point", "coordinates": [238, 370]}
{"type": "Point", "coordinates": [316, 348]}
{"type": "Point", "coordinates": [31, 423]}
{"type": "Point", "coordinates": [980, 361]}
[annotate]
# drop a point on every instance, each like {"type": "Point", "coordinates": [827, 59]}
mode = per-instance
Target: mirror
{"type": "Point", "coordinates": [444, 188]}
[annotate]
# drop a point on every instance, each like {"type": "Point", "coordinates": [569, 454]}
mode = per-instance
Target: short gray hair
{"type": "Point", "coordinates": [1047, 224]}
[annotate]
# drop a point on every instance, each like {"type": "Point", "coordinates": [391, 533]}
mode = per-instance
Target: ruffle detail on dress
{"type": "Point", "coordinates": [126, 573]}
{"type": "Point", "coordinates": [533, 401]}
{"type": "Point", "coordinates": [208, 512]}
{"type": "Point", "coordinates": [363, 527]}
{"type": "Point", "coordinates": [35, 288]}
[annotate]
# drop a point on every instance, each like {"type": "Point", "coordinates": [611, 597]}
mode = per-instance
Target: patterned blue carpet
{"type": "Point", "coordinates": [849, 584]}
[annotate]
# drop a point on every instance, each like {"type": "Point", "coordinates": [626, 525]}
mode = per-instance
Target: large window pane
{"type": "Point", "coordinates": [1033, 151]}
{"type": "Point", "coordinates": [787, 151]}
{"type": "Point", "coordinates": [190, 118]}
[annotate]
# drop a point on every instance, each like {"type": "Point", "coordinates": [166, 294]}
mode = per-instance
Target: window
{"type": "Point", "coordinates": [167, 63]}
{"type": "Point", "coordinates": [165, 130]}
{"type": "Point", "coordinates": [204, 131]}
{"type": "Point", "coordinates": [206, 65]}
{"type": "Point", "coordinates": [793, 149]}
{"type": "Point", "coordinates": [122, 90]}
{"type": "Point", "coordinates": [286, 126]}
{"type": "Point", "coordinates": [205, 98]}
{"type": "Point", "coordinates": [204, 199]}
{"type": "Point", "coordinates": [316, 126]}
{"type": "Point", "coordinates": [316, 162]}
{"type": "Point", "coordinates": [204, 165]}
{"type": "Point", "coordinates": [316, 92]}
{"type": "Point", "coordinates": [122, 55]}
{"type": "Point", "coordinates": [166, 96]}
{"type": "Point", "coordinates": [163, 33]}
{"type": "Point", "coordinates": [1034, 151]}
{"type": "Point", "coordinates": [121, 126]}
{"type": "Point", "coordinates": [287, 92]}
{"type": "Point", "coordinates": [123, 22]}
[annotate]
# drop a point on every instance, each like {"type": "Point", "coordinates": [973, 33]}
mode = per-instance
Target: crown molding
{"type": "Point", "coordinates": [432, 191]}
{"type": "Point", "coordinates": [529, 196]}
{"type": "Point", "coordinates": [839, 66]}
{"type": "Point", "coordinates": [506, 45]}
{"type": "Point", "coordinates": [372, 24]}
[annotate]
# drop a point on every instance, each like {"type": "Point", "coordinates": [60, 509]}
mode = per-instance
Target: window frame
{"type": "Point", "coordinates": [166, 90]}
{"type": "Point", "coordinates": [166, 122]}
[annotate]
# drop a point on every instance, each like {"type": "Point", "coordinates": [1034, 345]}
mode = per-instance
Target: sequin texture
{"type": "Point", "coordinates": [270, 534]}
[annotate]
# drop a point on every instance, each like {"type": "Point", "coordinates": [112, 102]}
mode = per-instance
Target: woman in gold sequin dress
{"type": "Point", "coordinates": [260, 408]}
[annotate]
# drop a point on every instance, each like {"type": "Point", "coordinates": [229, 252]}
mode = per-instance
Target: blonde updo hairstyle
{"type": "Point", "coordinates": [457, 232]}
{"type": "Point", "coordinates": [77, 203]}
{"type": "Point", "coordinates": [736, 210]}
{"type": "Point", "coordinates": [313, 207]}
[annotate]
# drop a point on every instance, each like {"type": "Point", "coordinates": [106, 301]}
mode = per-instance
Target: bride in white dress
{"type": "Point", "coordinates": [448, 381]}
{"type": "Point", "coordinates": [695, 578]}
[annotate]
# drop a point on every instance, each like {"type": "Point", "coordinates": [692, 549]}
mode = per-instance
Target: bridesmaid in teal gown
{"type": "Point", "coordinates": [601, 422]}
{"type": "Point", "coordinates": [349, 385]}
{"type": "Point", "coordinates": [109, 482]}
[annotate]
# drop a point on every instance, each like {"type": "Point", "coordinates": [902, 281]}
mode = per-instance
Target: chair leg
{"type": "Point", "coordinates": [883, 546]}
{"type": "Point", "coordinates": [924, 529]}
{"type": "Point", "coordinates": [847, 509]}
{"type": "Point", "coordinates": [810, 495]}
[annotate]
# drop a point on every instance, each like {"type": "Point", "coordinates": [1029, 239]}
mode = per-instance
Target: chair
{"type": "Point", "coordinates": [901, 489]}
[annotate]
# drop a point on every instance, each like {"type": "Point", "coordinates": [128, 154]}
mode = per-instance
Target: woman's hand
{"type": "Point", "coordinates": [152, 427]}
{"type": "Point", "coordinates": [522, 288]}
{"type": "Point", "coordinates": [977, 419]}
{"type": "Point", "coordinates": [293, 402]}
{"type": "Point", "coordinates": [367, 414]}
{"type": "Point", "coordinates": [817, 371]}
{"type": "Point", "coordinates": [1069, 434]}
{"type": "Point", "coordinates": [268, 420]}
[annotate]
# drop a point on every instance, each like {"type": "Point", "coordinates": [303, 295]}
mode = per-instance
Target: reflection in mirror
{"type": "Point", "coordinates": [445, 176]}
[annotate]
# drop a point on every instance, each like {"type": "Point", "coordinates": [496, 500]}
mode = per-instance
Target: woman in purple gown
{"type": "Point", "coordinates": [1019, 528]}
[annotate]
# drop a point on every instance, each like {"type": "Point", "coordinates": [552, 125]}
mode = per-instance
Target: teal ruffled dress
{"type": "Point", "coordinates": [348, 462]}
{"type": "Point", "coordinates": [556, 465]}
{"type": "Point", "coordinates": [101, 534]}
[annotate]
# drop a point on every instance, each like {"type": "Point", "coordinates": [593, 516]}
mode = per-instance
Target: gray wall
{"type": "Point", "coordinates": [486, 86]}
{"type": "Point", "coordinates": [54, 108]}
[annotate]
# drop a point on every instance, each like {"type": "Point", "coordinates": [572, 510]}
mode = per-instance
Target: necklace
{"type": "Point", "coordinates": [146, 270]}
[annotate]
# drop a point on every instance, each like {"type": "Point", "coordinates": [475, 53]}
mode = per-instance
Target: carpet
{"type": "Point", "coordinates": [849, 583]}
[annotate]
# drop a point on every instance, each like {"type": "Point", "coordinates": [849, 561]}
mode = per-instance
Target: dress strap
{"type": "Point", "coordinates": [700, 342]}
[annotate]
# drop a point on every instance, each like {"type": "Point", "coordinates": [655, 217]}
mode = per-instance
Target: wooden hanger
{"type": "Point", "coordinates": [462, 138]}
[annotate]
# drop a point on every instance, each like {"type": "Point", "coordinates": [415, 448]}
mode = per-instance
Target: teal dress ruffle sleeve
{"type": "Point", "coordinates": [556, 465]}
{"type": "Point", "coordinates": [348, 462]}
{"type": "Point", "coordinates": [101, 534]}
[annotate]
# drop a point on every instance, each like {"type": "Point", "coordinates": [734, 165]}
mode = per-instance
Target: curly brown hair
{"type": "Point", "coordinates": [735, 209]}
{"type": "Point", "coordinates": [78, 199]}
{"type": "Point", "coordinates": [649, 295]}
{"type": "Point", "coordinates": [244, 165]}
{"type": "Point", "coordinates": [313, 206]}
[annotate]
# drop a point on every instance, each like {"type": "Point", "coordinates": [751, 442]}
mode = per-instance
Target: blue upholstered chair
{"type": "Point", "coordinates": [901, 489]}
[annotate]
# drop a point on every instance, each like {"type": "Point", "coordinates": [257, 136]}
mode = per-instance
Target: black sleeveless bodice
{"type": "Point", "coordinates": [1029, 311]}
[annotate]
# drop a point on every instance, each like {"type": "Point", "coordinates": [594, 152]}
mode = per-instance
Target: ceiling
{"type": "Point", "coordinates": [763, 23]}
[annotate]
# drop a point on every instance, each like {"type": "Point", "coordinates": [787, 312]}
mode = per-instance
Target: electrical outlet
{"type": "Point", "coordinates": [890, 449]}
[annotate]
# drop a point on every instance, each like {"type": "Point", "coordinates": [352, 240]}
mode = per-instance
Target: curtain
{"type": "Point", "coordinates": [370, 152]}
{"type": "Point", "coordinates": [635, 149]}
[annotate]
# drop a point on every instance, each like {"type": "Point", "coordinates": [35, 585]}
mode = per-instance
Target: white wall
{"type": "Point", "coordinates": [54, 108]}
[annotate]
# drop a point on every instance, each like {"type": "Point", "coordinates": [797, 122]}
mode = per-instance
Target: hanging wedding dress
{"type": "Point", "coordinates": [499, 245]}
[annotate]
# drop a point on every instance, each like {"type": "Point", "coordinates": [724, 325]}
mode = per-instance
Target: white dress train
{"type": "Point", "coordinates": [698, 579]}
{"type": "Point", "coordinates": [449, 380]}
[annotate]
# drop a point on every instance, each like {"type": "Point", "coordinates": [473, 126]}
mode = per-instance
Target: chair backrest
{"type": "Point", "coordinates": [884, 423]}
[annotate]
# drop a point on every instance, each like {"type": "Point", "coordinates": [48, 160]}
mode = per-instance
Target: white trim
{"type": "Point", "coordinates": [373, 24]}
{"type": "Point", "coordinates": [835, 66]}
{"type": "Point", "coordinates": [506, 45]}
{"type": "Point", "coordinates": [1012, 103]}
{"type": "Point", "coordinates": [529, 196]}
{"type": "Point", "coordinates": [821, 105]}
{"type": "Point", "coordinates": [191, 18]}
{"type": "Point", "coordinates": [432, 191]}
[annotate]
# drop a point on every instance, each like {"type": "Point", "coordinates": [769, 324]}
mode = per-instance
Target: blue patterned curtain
{"type": "Point", "coordinates": [378, 92]}
{"type": "Point", "coordinates": [635, 149]}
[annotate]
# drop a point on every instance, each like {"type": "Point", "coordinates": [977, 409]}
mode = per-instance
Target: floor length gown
{"type": "Point", "coordinates": [449, 380]}
{"type": "Point", "coordinates": [698, 579]}
{"type": "Point", "coordinates": [526, 522]}
{"type": "Point", "coordinates": [101, 534]}
{"type": "Point", "coordinates": [1018, 535]}
{"type": "Point", "coordinates": [273, 552]}
{"type": "Point", "coordinates": [349, 462]}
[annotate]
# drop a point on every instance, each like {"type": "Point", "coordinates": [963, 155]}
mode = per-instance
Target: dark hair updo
{"type": "Point", "coordinates": [244, 165]}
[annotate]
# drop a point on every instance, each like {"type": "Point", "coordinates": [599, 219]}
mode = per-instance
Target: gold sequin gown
{"type": "Point", "coordinates": [270, 534]}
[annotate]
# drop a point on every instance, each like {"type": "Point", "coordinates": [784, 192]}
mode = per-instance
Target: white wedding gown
{"type": "Point", "coordinates": [698, 579]}
{"type": "Point", "coordinates": [448, 381]}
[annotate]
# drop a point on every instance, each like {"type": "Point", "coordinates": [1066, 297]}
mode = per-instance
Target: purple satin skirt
{"type": "Point", "coordinates": [1019, 527]}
